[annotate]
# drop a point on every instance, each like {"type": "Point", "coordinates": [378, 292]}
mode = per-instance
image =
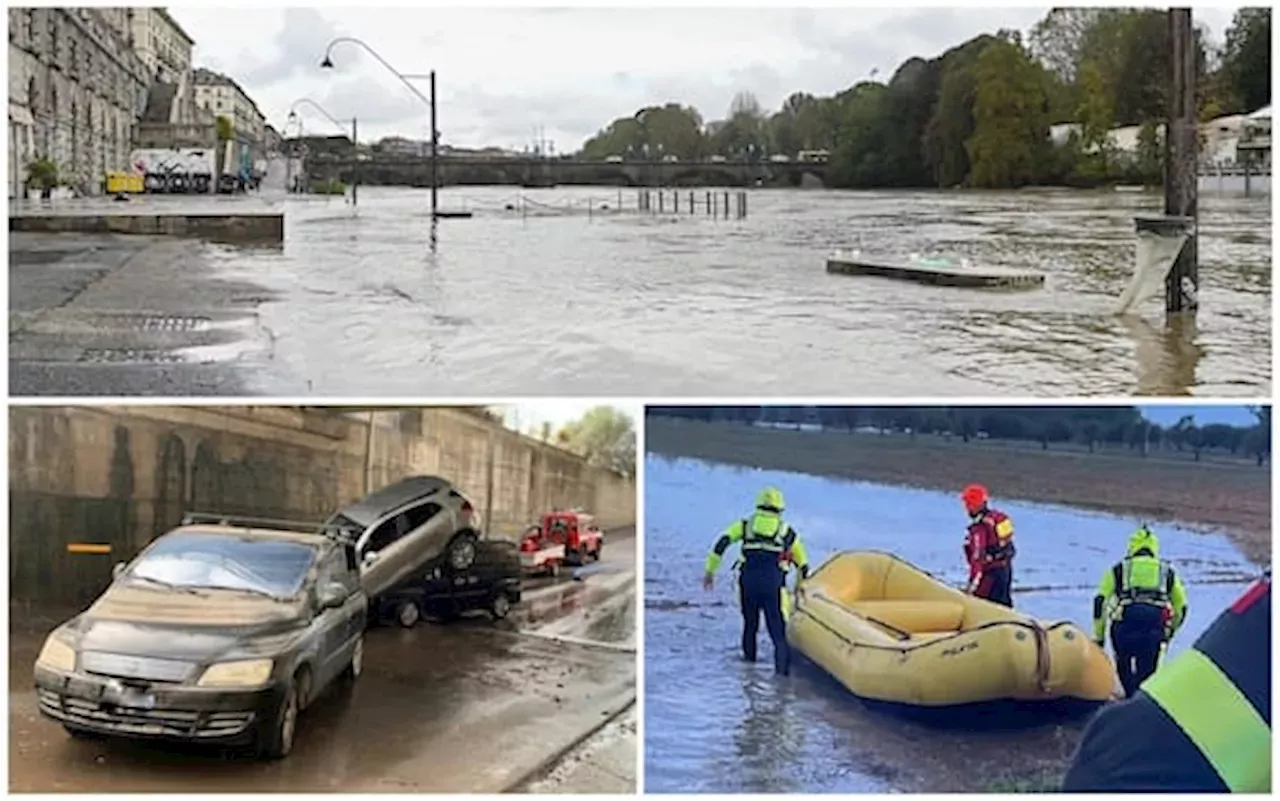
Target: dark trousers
{"type": "Point", "coordinates": [761, 591]}
{"type": "Point", "coordinates": [996, 585]}
{"type": "Point", "coordinates": [1136, 638]}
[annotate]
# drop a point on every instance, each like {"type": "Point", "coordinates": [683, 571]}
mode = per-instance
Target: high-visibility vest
{"type": "Point", "coordinates": [1219, 693]}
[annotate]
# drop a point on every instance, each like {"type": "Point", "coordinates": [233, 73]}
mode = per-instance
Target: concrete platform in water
{"type": "Point", "coordinates": [218, 217]}
{"type": "Point", "coordinates": [937, 274]}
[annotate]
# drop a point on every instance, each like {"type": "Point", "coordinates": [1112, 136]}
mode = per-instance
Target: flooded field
{"type": "Point", "coordinates": [377, 301]}
{"type": "Point", "coordinates": [715, 724]}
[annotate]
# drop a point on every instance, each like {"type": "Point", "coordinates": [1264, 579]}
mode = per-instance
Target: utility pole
{"type": "Point", "coordinates": [355, 167]}
{"type": "Point", "coordinates": [1182, 285]}
{"type": "Point", "coordinates": [435, 149]}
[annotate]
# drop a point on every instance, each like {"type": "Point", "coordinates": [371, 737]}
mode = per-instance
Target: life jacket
{"type": "Point", "coordinates": [1143, 580]}
{"type": "Point", "coordinates": [765, 536]}
{"type": "Point", "coordinates": [998, 547]}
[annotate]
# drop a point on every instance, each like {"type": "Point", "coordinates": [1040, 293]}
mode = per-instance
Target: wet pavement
{"type": "Point", "coordinates": [715, 724]}
{"type": "Point", "coordinates": [605, 763]}
{"type": "Point", "coordinates": [468, 707]}
{"type": "Point", "coordinates": [376, 300]}
{"type": "Point", "coordinates": [128, 315]}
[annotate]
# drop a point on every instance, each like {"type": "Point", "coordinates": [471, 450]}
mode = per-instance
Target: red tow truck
{"type": "Point", "coordinates": [562, 538]}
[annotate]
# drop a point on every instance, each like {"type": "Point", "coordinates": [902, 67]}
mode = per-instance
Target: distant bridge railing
{"type": "Point", "coordinates": [399, 160]}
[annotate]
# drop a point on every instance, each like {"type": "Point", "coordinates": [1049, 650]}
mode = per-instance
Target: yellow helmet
{"type": "Point", "coordinates": [1144, 538]}
{"type": "Point", "coordinates": [770, 498]}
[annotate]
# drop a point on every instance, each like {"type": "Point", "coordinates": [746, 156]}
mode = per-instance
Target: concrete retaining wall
{"type": "Point", "coordinates": [266, 228]}
{"type": "Point", "coordinates": [122, 475]}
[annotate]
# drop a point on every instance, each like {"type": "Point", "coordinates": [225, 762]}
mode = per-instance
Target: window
{"type": "Point", "coordinates": [383, 536]}
{"type": "Point", "coordinates": [419, 515]}
{"type": "Point", "coordinates": [338, 567]}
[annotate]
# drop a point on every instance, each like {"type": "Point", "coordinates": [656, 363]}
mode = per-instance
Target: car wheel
{"type": "Point", "coordinates": [462, 551]}
{"type": "Point", "coordinates": [356, 666]}
{"type": "Point", "coordinates": [500, 607]}
{"type": "Point", "coordinates": [83, 734]}
{"type": "Point", "coordinates": [596, 553]}
{"type": "Point", "coordinates": [277, 741]}
{"type": "Point", "coordinates": [408, 614]}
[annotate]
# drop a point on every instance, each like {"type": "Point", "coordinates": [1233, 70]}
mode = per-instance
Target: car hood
{"type": "Point", "coordinates": [372, 507]}
{"type": "Point", "coordinates": [178, 625]}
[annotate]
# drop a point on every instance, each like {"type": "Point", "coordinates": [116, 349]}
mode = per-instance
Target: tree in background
{"type": "Point", "coordinates": [605, 436]}
{"type": "Point", "coordinates": [1246, 58]}
{"type": "Point", "coordinates": [979, 114]}
{"type": "Point", "coordinates": [1011, 128]}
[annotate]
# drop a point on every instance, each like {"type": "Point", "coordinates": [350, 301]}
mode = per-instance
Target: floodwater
{"type": "Point", "coordinates": [716, 724]}
{"type": "Point", "coordinates": [376, 300]}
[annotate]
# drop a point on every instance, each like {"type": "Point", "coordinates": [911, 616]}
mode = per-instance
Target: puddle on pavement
{"type": "Point", "coordinates": [715, 724]}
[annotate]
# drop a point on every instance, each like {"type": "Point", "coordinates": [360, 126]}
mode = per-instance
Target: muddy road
{"type": "Point", "coordinates": [1229, 496]}
{"type": "Point", "coordinates": [467, 707]}
{"type": "Point", "coordinates": [715, 724]}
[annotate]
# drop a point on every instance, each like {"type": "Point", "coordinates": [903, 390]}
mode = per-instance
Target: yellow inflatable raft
{"type": "Point", "coordinates": [891, 632]}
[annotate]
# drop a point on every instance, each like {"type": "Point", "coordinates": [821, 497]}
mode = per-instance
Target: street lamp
{"type": "Point", "coordinates": [341, 124]}
{"type": "Point", "coordinates": [327, 63]}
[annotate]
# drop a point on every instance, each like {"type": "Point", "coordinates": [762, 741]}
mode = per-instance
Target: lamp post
{"type": "Point", "coordinates": [341, 124]}
{"type": "Point", "coordinates": [406, 79]}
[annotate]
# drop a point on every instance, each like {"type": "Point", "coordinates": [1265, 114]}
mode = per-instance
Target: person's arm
{"type": "Point", "coordinates": [1106, 588]}
{"type": "Point", "coordinates": [799, 556]}
{"type": "Point", "coordinates": [1178, 597]}
{"type": "Point", "coordinates": [974, 546]}
{"type": "Point", "coordinates": [731, 535]}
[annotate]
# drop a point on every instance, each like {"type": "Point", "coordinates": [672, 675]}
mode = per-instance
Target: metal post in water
{"type": "Point", "coordinates": [435, 147]}
{"type": "Point", "coordinates": [1182, 286]}
{"type": "Point", "coordinates": [675, 201]}
{"type": "Point", "coordinates": [708, 202]}
{"type": "Point", "coordinates": [726, 204]}
{"type": "Point", "coordinates": [660, 200]}
{"type": "Point", "coordinates": [355, 167]}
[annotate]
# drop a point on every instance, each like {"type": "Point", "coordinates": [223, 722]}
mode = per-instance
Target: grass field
{"type": "Point", "coordinates": [1233, 497]}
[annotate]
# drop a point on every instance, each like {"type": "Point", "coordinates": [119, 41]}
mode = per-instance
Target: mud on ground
{"type": "Point", "coordinates": [1232, 498]}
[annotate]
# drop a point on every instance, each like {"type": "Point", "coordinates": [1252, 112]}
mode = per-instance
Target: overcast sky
{"type": "Point", "coordinates": [505, 72]}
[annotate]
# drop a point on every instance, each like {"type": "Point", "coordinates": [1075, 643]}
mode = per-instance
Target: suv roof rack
{"type": "Point", "coordinates": [329, 530]}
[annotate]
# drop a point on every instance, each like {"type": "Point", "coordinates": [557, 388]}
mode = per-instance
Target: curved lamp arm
{"type": "Point", "coordinates": [328, 63]}
{"type": "Point", "coordinates": [306, 101]}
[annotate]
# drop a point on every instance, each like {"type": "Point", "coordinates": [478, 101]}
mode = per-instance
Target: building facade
{"type": "Point", "coordinates": [76, 86]}
{"type": "Point", "coordinates": [222, 96]}
{"type": "Point", "coordinates": [165, 48]}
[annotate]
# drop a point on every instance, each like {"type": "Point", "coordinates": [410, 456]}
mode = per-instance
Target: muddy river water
{"type": "Point", "coordinates": [715, 724]}
{"type": "Point", "coordinates": [378, 301]}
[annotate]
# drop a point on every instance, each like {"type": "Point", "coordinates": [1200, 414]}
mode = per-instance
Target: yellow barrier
{"type": "Point", "coordinates": [88, 547]}
{"type": "Point", "coordinates": [127, 182]}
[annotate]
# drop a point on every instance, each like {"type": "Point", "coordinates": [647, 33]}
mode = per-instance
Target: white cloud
{"type": "Point", "coordinates": [504, 72]}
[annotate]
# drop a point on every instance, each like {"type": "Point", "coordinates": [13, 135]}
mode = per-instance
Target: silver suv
{"type": "Point", "coordinates": [404, 526]}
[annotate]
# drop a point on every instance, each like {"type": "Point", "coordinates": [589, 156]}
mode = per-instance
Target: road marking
{"type": "Point", "coordinates": [88, 547]}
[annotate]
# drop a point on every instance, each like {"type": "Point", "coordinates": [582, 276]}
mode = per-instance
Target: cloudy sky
{"type": "Point", "coordinates": [503, 73]}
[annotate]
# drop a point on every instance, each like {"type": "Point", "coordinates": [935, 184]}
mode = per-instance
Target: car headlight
{"type": "Point", "coordinates": [244, 673]}
{"type": "Point", "coordinates": [57, 655]}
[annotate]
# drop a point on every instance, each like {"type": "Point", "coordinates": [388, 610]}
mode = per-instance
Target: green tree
{"type": "Point", "coordinates": [226, 129]}
{"type": "Point", "coordinates": [1096, 122]}
{"type": "Point", "coordinates": [1011, 131]}
{"type": "Point", "coordinates": [606, 437]}
{"type": "Point", "coordinates": [1246, 58]}
{"type": "Point", "coordinates": [1150, 154]}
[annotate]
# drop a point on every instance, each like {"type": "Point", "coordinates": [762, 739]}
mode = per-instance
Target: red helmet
{"type": "Point", "coordinates": [974, 497]}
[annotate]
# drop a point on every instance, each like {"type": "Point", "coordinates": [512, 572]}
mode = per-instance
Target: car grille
{"type": "Point", "coordinates": [135, 667]}
{"type": "Point", "coordinates": [143, 722]}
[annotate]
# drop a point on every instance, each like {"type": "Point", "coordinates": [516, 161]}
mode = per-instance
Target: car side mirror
{"type": "Point", "coordinates": [369, 558]}
{"type": "Point", "coordinates": [333, 596]}
{"type": "Point", "coordinates": [118, 570]}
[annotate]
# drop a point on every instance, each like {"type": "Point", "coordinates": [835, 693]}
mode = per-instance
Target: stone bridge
{"type": "Point", "coordinates": [461, 170]}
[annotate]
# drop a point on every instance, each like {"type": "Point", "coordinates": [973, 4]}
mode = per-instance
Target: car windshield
{"type": "Point", "coordinates": [221, 561]}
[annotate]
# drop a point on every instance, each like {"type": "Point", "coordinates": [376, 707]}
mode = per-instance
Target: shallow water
{"type": "Point", "coordinates": [376, 300]}
{"type": "Point", "coordinates": [714, 724]}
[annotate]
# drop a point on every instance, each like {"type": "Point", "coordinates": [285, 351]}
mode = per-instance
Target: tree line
{"type": "Point", "coordinates": [1090, 426]}
{"type": "Point", "coordinates": [979, 114]}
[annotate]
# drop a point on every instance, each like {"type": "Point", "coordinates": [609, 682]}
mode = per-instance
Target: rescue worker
{"type": "Point", "coordinates": [1146, 602]}
{"type": "Point", "coordinates": [988, 547]}
{"type": "Point", "coordinates": [1201, 724]}
{"type": "Point", "coordinates": [765, 539]}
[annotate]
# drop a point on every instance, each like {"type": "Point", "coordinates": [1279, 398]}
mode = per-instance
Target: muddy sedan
{"type": "Point", "coordinates": [214, 633]}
